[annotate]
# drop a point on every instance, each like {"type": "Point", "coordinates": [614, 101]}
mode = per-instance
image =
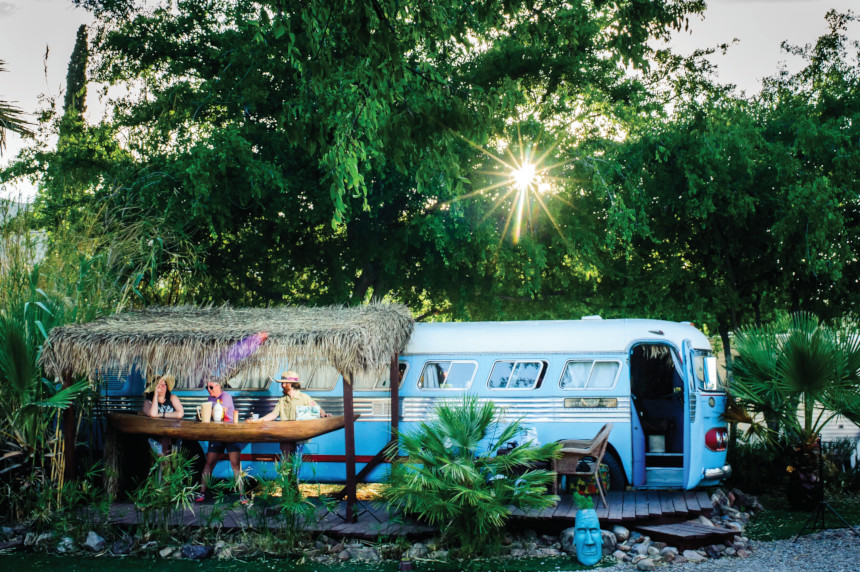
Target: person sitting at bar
{"type": "Point", "coordinates": [158, 401]}
{"type": "Point", "coordinates": [216, 448]}
{"type": "Point", "coordinates": [287, 406]}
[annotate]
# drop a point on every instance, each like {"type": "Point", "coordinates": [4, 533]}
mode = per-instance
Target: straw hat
{"type": "Point", "coordinates": [169, 379]}
{"type": "Point", "coordinates": [289, 374]}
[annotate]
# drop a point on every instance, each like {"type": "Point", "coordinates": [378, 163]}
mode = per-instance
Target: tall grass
{"type": "Point", "coordinates": [50, 277]}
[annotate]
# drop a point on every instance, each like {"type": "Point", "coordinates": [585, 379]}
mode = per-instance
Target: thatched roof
{"type": "Point", "coordinates": [191, 341]}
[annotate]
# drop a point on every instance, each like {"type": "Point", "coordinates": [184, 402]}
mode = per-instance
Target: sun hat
{"type": "Point", "coordinates": [289, 377]}
{"type": "Point", "coordinates": [168, 378]}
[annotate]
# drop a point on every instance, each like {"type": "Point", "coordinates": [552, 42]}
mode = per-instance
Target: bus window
{"type": "Point", "coordinates": [516, 374]}
{"type": "Point", "coordinates": [384, 380]}
{"type": "Point", "coordinates": [447, 375]}
{"type": "Point", "coordinates": [589, 374]}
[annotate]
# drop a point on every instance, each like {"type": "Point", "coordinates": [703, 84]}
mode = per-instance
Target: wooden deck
{"type": "Point", "coordinates": [631, 508]}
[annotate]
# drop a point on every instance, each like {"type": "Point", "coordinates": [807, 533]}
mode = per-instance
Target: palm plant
{"type": "Point", "coordinates": [798, 376]}
{"type": "Point", "coordinates": [11, 118]}
{"type": "Point", "coordinates": [453, 479]}
{"type": "Point", "coordinates": [790, 380]}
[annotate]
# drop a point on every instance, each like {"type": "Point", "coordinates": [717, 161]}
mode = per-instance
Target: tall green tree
{"type": "Point", "coordinates": [314, 150]}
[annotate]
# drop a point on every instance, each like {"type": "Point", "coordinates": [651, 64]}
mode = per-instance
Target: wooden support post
{"type": "Point", "coordinates": [394, 384]}
{"type": "Point", "coordinates": [349, 437]}
{"type": "Point", "coordinates": [68, 434]}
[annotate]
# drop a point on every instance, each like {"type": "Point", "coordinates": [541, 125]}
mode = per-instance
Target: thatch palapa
{"type": "Point", "coordinates": [190, 341]}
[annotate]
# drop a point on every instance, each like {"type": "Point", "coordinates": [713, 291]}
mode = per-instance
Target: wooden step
{"type": "Point", "coordinates": [687, 535]}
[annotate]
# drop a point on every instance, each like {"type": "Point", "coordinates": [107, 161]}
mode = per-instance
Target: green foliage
{"type": "Point", "coordinates": [757, 467]}
{"type": "Point", "coordinates": [453, 479]}
{"type": "Point", "coordinates": [279, 501]}
{"type": "Point", "coordinates": [582, 502]}
{"type": "Point", "coordinates": [799, 375]}
{"type": "Point", "coordinates": [166, 492]}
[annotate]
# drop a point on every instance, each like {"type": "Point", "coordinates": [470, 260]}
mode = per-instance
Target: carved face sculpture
{"type": "Point", "coordinates": [587, 538]}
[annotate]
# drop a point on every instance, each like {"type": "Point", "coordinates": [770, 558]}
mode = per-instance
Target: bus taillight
{"type": "Point", "coordinates": [716, 439]}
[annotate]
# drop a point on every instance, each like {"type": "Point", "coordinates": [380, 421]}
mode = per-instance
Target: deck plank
{"type": "Point", "coordinates": [680, 503]}
{"type": "Point", "coordinates": [602, 511]}
{"type": "Point", "coordinates": [654, 505]}
{"type": "Point", "coordinates": [667, 507]}
{"type": "Point", "coordinates": [641, 504]}
{"type": "Point", "coordinates": [628, 508]}
{"type": "Point", "coordinates": [692, 502]}
{"type": "Point", "coordinates": [616, 502]}
{"type": "Point", "coordinates": [705, 503]}
{"type": "Point", "coordinates": [563, 509]}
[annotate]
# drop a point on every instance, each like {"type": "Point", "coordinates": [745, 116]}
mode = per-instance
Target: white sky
{"type": "Point", "coordinates": [28, 27]}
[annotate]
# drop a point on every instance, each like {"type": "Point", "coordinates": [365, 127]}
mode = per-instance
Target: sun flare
{"type": "Point", "coordinates": [525, 180]}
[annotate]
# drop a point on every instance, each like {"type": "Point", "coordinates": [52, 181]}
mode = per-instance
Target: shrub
{"type": "Point", "coordinates": [453, 479]}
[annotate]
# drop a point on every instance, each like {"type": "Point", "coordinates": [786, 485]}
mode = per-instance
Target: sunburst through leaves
{"type": "Point", "coordinates": [522, 176]}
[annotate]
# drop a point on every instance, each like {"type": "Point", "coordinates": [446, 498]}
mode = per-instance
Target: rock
{"type": "Point", "coordinates": [641, 548]}
{"type": "Point", "coordinates": [621, 533]}
{"type": "Point", "coordinates": [719, 498]}
{"type": "Point", "coordinates": [743, 553]}
{"type": "Point", "coordinates": [609, 542]}
{"type": "Point", "coordinates": [566, 540]}
{"type": "Point", "coordinates": [371, 555]}
{"type": "Point", "coordinates": [693, 556]}
{"type": "Point", "coordinates": [635, 537]}
{"type": "Point", "coordinates": [549, 552]}
{"type": "Point", "coordinates": [94, 542]}
{"type": "Point", "coordinates": [44, 538]}
{"type": "Point", "coordinates": [734, 526]}
{"type": "Point", "coordinates": [507, 539]}
{"type": "Point", "coordinates": [344, 555]}
{"type": "Point", "coordinates": [730, 551]}
{"type": "Point", "coordinates": [196, 552]}
{"type": "Point", "coordinates": [668, 550]}
{"type": "Point", "coordinates": [121, 547]}
{"type": "Point", "coordinates": [30, 539]}
{"type": "Point", "coordinates": [704, 520]}
{"type": "Point", "coordinates": [638, 558]}
{"type": "Point", "coordinates": [646, 564]}
{"type": "Point", "coordinates": [712, 552]}
{"type": "Point", "coordinates": [547, 539]}
{"type": "Point", "coordinates": [166, 552]}
{"type": "Point", "coordinates": [150, 546]}
{"type": "Point", "coordinates": [653, 551]}
{"type": "Point", "coordinates": [679, 560]}
{"type": "Point", "coordinates": [222, 550]}
{"type": "Point", "coordinates": [624, 546]}
{"type": "Point", "coordinates": [66, 545]}
{"type": "Point", "coordinates": [659, 545]}
{"type": "Point", "coordinates": [418, 551]}
{"type": "Point", "coordinates": [177, 555]}
{"type": "Point", "coordinates": [731, 512]}
{"type": "Point", "coordinates": [620, 555]}
{"type": "Point", "coordinates": [518, 553]}
{"type": "Point", "coordinates": [668, 557]}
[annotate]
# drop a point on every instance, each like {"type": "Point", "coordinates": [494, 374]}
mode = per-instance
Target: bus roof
{"type": "Point", "coordinates": [588, 335]}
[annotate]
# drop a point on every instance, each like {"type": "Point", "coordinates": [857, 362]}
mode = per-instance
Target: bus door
{"type": "Point", "coordinates": [657, 384]}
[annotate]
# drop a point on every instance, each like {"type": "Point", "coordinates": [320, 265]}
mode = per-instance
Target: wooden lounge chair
{"type": "Point", "coordinates": [581, 458]}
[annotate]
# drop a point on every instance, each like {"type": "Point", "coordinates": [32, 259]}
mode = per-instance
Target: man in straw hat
{"type": "Point", "coordinates": [287, 406]}
{"type": "Point", "coordinates": [158, 401]}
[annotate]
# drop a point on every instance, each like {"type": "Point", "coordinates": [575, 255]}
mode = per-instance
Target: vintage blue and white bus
{"type": "Point", "coordinates": [655, 381]}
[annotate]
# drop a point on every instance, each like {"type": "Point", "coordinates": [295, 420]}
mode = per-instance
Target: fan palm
{"type": "Point", "coordinates": [11, 118]}
{"type": "Point", "coordinates": [798, 376]}
{"type": "Point", "coordinates": [452, 477]}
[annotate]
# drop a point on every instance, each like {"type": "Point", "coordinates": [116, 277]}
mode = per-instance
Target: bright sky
{"type": "Point", "coordinates": [30, 27]}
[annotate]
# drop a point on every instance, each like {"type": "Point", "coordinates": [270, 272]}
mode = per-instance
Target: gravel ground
{"type": "Point", "coordinates": [830, 550]}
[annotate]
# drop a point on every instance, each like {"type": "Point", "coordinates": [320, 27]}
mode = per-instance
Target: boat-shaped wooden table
{"type": "Point", "coordinates": [265, 432]}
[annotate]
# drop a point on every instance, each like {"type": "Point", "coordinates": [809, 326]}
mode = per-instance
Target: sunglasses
{"type": "Point", "coordinates": [211, 387]}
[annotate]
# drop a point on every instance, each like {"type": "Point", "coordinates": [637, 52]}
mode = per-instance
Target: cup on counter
{"type": "Point", "coordinates": [204, 412]}
{"type": "Point", "coordinates": [255, 416]}
{"type": "Point", "coordinates": [235, 416]}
